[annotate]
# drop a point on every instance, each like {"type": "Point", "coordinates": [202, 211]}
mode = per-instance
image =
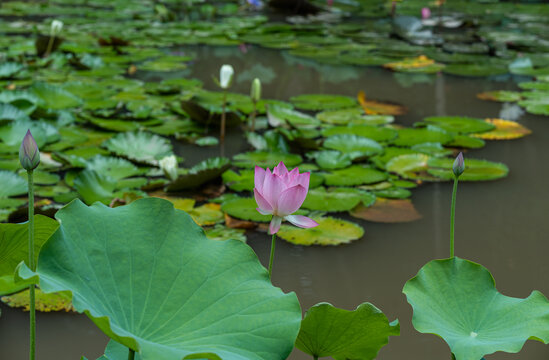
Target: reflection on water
{"type": "Point", "coordinates": [501, 224]}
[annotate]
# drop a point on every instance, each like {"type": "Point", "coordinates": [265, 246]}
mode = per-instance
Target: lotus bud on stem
{"type": "Point", "coordinates": [281, 194]}
{"type": "Point", "coordinates": [226, 74]}
{"type": "Point", "coordinates": [458, 168]}
{"type": "Point", "coordinates": [55, 29]}
{"type": "Point", "coordinates": [29, 157]}
{"type": "Point", "coordinates": [256, 96]}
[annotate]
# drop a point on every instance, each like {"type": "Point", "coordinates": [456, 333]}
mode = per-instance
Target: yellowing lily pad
{"type": "Point", "coordinates": [505, 130]}
{"type": "Point", "coordinates": [207, 214]}
{"type": "Point", "coordinates": [61, 301]}
{"type": "Point", "coordinates": [330, 231]}
{"type": "Point", "coordinates": [372, 107]}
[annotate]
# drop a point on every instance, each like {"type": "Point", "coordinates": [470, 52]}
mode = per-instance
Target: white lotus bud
{"type": "Point", "coordinates": [226, 76]}
{"type": "Point", "coordinates": [56, 27]}
{"type": "Point", "coordinates": [169, 166]}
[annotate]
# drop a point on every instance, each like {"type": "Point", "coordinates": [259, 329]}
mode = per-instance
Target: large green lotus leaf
{"type": "Point", "coordinates": [410, 137]}
{"type": "Point", "coordinates": [353, 145]}
{"type": "Point", "coordinates": [322, 102]}
{"type": "Point", "coordinates": [54, 97]}
{"type": "Point", "coordinates": [354, 175]}
{"type": "Point", "coordinates": [281, 115]}
{"type": "Point", "coordinates": [475, 169]}
{"type": "Point", "coordinates": [12, 184]}
{"type": "Point", "coordinates": [266, 159]}
{"type": "Point", "coordinates": [460, 124]}
{"type": "Point", "coordinates": [141, 147]}
{"type": "Point", "coordinates": [14, 248]}
{"type": "Point", "coordinates": [330, 231]}
{"type": "Point", "coordinates": [115, 168]}
{"type": "Point", "coordinates": [372, 132]}
{"type": "Point", "coordinates": [457, 300]}
{"type": "Point", "coordinates": [93, 186]}
{"type": "Point", "coordinates": [245, 209]}
{"type": "Point", "coordinates": [343, 334]}
{"type": "Point", "coordinates": [149, 278]}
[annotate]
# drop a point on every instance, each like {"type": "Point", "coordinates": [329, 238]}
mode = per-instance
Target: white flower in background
{"type": "Point", "coordinates": [226, 76]}
{"type": "Point", "coordinates": [56, 27]}
{"type": "Point", "coordinates": [169, 166]}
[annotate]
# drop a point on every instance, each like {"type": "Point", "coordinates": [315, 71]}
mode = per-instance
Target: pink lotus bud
{"type": "Point", "coordinates": [281, 193]}
{"type": "Point", "coordinates": [425, 13]}
{"type": "Point", "coordinates": [330, 2]}
{"type": "Point", "coordinates": [29, 155]}
{"type": "Point", "coordinates": [459, 165]}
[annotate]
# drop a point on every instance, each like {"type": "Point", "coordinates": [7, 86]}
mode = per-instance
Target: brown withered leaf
{"type": "Point", "coordinates": [387, 211]}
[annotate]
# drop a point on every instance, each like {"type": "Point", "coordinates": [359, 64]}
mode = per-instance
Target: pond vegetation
{"type": "Point", "coordinates": [100, 85]}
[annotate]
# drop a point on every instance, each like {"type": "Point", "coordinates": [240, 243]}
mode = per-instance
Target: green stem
{"type": "Point", "coordinates": [272, 256]}
{"type": "Point", "coordinates": [131, 355]}
{"type": "Point", "coordinates": [254, 115]}
{"type": "Point", "coordinates": [50, 46]}
{"type": "Point", "coordinates": [32, 265]}
{"type": "Point", "coordinates": [315, 357]}
{"type": "Point", "coordinates": [223, 118]}
{"type": "Point", "coordinates": [453, 216]}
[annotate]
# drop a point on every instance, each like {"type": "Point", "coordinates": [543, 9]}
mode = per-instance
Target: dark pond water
{"type": "Point", "coordinates": [501, 224]}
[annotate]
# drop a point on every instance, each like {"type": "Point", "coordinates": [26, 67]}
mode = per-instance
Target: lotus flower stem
{"type": "Point", "coordinates": [254, 115]}
{"type": "Point", "coordinates": [223, 118]}
{"type": "Point", "coordinates": [32, 266]}
{"type": "Point", "coordinates": [273, 242]}
{"type": "Point", "coordinates": [453, 216]}
{"type": "Point", "coordinates": [131, 355]}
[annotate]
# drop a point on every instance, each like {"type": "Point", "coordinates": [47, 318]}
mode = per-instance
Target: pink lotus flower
{"type": "Point", "coordinates": [280, 194]}
{"type": "Point", "coordinates": [425, 13]}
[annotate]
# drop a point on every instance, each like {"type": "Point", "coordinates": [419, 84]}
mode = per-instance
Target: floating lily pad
{"type": "Point", "coordinates": [242, 181]}
{"type": "Point", "coordinates": [460, 124]}
{"type": "Point", "coordinates": [354, 116]}
{"type": "Point", "coordinates": [457, 300]}
{"type": "Point", "coordinates": [214, 297]}
{"type": "Point", "coordinates": [410, 137]}
{"type": "Point", "coordinates": [43, 302]}
{"type": "Point", "coordinates": [387, 211]}
{"type": "Point", "coordinates": [330, 231]}
{"type": "Point", "coordinates": [331, 159]}
{"type": "Point", "coordinates": [408, 166]}
{"type": "Point", "coordinates": [501, 96]}
{"type": "Point", "coordinates": [342, 334]}
{"type": "Point", "coordinates": [115, 168]}
{"type": "Point", "coordinates": [505, 130]}
{"type": "Point", "coordinates": [474, 70]}
{"type": "Point", "coordinates": [12, 184]}
{"type": "Point", "coordinates": [322, 102]}
{"type": "Point", "coordinates": [432, 149]}
{"type": "Point", "coordinates": [336, 199]}
{"type": "Point", "coordinates": [141, 147]}
{"type": "Point", "coordinates": [371, 132]}
{"type": "Point", "coordinates": [54, 97]}
{"type": "Point", "coordinates": [244, 209]}
{"type": "Point", "coordinates": [14, 248]}
{"type": "Point", "coordinates": [353, 145]}
{"type": "Point", "coordinates": [354, 175]}
{"type": "Point", "coordinates": [9, 112]}
{"type": "Point", "coordinates": [93, 186]}
{"type": "Point", "coordinates": [373, 107]}
{"type": "Point", "coordinates": [466, 141]}
{"type": "Point", "coordinates": [222, 233]}
{"type": "Point", "coordinates": [41, 177]}
{"type": "Point", "coordinates": [475, 170]}
{"type": "Point", "coordinates": [266, 159]}
{"type": "Point", "coordinates": [200, 174]}
{"type": "Point", "coordinates": [9, 69]}
{"type": "Point", "coordinates": [281, 115]}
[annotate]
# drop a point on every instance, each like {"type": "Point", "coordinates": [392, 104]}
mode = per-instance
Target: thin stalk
{"type": "Point", "coordinates": [315, 357]}
{"type": "Point", "coordinates": [223, 118]}
{"type": "Point", "coordinates": [32, 265]}
{"type": "Point", "coordinates": [453, 216]}
{"type": "Point", "coordinates": [272, 256]}
{"type": "Point", "coordinates": [131, 355]}
{"type": "Point", "coordinates": [50, 46]}
{"type": "Point", "coordinates": [254, 115]}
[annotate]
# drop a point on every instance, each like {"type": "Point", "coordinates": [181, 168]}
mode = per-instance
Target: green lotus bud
{"type": "Point", "coordinates": [459, 165]}
{"type": "Point", "coordinates": [256, 90]}
{"type": "Point", "coordinates": [29, 155]}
